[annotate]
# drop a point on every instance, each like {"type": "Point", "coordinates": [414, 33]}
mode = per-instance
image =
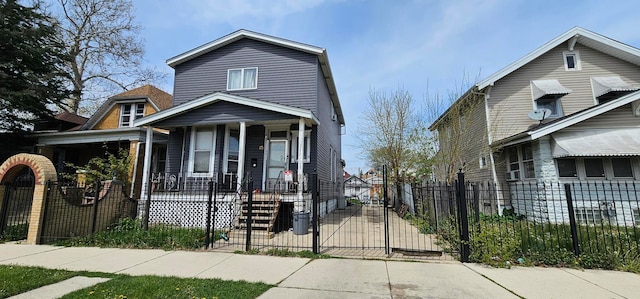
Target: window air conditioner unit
{"type": "Point", "coordinates": [512, 175]}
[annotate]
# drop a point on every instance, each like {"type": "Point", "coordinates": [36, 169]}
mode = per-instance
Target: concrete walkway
{"type": "Point", "coordinates": [337, 278]}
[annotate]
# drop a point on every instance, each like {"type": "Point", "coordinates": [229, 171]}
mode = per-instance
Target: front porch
{"type": "Point", "coordinates": [183, 200]}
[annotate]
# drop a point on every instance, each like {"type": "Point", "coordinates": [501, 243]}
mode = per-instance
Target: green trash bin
{"type": "Point", "coordinates": [300, 223]}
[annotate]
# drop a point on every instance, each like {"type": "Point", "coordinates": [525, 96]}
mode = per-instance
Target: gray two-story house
{"type": "Point", "coordinates": [249, 105]}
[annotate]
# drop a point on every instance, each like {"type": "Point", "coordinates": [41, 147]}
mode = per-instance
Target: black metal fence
{"type": "Point", "coordinates": [540, 221]}
{"type": "Point", "coordinates": [78, 211]}
{"type": "Point", "coordinates": [15, 208]}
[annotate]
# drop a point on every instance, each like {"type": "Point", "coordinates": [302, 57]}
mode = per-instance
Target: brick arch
{"type": "Point", "coordinates": [41, 166]}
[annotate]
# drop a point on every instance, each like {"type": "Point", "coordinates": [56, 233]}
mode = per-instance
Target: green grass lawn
{"type": "Point", "coordinates": [17, 279]}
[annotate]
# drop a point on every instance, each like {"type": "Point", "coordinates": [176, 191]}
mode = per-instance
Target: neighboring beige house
{"type": "Point", "coordinates": [111, 126]}
{"type": "Point", "coordinates": [569, 111]}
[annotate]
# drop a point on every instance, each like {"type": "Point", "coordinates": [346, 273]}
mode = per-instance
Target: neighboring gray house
{"type": "Point", "coordinates": [249, 104]}
{"type": "Point", "coordinates": [568, 112]}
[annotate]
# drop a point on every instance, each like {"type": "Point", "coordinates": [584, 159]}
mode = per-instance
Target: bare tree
{"type": "Point", "coordinates": [385, 133]}
{"type": "Point", "coordinates": [452, 117]}
{"type": "Point", "coordinates": [104, 49]}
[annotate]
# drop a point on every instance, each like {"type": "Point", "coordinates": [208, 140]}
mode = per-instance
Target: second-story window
{"type": "Point", "coordinates": [130, 112]}
{"type": "Point", "coordinates": [245, 78]}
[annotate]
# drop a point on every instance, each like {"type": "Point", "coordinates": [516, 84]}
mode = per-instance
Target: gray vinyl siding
{"type": "Point", "coordinates": [255, 139]}
{"type": "Point", "coordinates": [621, 117]}
{"type": "Point", "coordinates": [221, 113]}
{"type": "Point", "coordinates": [511, 97]}
{"type": "Point", "coordinates": [328, 133]}
{"type": "Point", "coordinates": [174, 150]}
{"type": "Point", "coordinates": [285, 76]}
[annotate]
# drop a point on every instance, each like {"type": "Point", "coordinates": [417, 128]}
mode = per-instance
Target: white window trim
{"type": "Point", "coordinates": [294, 142]}
{"type": "Point", "coordinates": [192, 146]}
{"type": "Point", "coordinates": [482, 161]}
{"type": "Point", "coordinates": [578, 63]}
{"type": "Point", "coordinates": [227, 134]}
{"type": "Point", "coordinates": [132, 113]}
{"type": "Point", "coordinates": [242, 78]}
{"type": "Point", "coordinates": [521, 169]}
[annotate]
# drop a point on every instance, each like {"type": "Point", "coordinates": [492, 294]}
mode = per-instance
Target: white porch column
{"type": "Point", "coordinates": [146, 169]}
{"type": "Point", "coordinates": [242, 142]}
{"type": "Point", "coordinates": [300, 156]}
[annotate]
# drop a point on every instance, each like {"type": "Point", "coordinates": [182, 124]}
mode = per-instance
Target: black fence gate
{"type": "Point", "coordinates": [390, 221]}
{"type": "Point", "coordinates": [16, 207]}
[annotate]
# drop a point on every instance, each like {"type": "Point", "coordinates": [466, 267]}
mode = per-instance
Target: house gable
{"type": "Point", "coordinates": [286, 70]}
{"type": "Point", "coordinates": [511, 96]}
{"type": "Point", "coordinates": [108, 115]}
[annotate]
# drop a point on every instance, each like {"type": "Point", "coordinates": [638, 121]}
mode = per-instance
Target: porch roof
{"type": "Point", "coordinates": [597, 143]}
{"type": "Point", "coordinates": [96, 136]}
{"type": "Point", "coordinates": [224, 97]}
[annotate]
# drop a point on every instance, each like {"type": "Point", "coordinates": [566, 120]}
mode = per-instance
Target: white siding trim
{"type": "Point", "coordinates": [605, 44]}
{"type": "Point", "coordinates": [208, 47]}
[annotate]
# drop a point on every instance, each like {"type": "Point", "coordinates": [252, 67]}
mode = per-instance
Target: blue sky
{"type": "Point", "coordinates": [424, 47]}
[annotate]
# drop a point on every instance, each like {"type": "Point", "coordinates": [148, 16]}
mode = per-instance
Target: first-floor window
{"type": "Point", "coordinates": [587, 216]}
{"type": "Point", "coordinates": [636, 216]}
{"type": "Point", "coordinates": [622, 167]}
{"type": "Point", "coordinates": [567, 168]}
{"type": "Point", "coordinates": [202, 150]}
{"type": "Point", "coordinates": [521, 164]}
{"type": "Point", "coordinates": [527, 161]}
{"type": "Point", "coordinates": [594, 168]}
{"type": "Point", "coordinates": [294, 147]}
{"type": "Point", "coordinates": [232, 150]}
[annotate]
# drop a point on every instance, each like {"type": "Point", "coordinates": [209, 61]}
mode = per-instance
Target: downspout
{"type": "Point", "coordinates": [490, 139]}
{"type": "Point", "coordinates": [300, 156]}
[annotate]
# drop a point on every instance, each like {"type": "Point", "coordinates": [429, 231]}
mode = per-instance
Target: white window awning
{"type": "Point", "coordinates": [604, 85]}
{"type": "Point", "coordinates": [597, 143]}
{"type": "Point", "coordinates": [541, 88]}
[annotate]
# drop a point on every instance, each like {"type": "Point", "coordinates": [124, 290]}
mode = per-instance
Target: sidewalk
{"type": "Point", "coordinates": [337, 278]}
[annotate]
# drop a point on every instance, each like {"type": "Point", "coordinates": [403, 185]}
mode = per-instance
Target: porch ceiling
{"type": "Point", "coordinates": [97, 136]}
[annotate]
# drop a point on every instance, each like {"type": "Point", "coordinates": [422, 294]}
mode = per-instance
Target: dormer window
{"type": "Point", "coordinates": [130, 112]}
{"type": "Point", "coordinates": [547, 94]}
{"type": "Point", "coordinates": [609, 88]}
{"type": "Point", "coordinates": [245, 78]}
{"type": "Point", "coordinates": [572, 61]}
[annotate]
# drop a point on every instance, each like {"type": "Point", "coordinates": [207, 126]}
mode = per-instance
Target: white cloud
{"type": "Point", "coordinates": [223, 11]}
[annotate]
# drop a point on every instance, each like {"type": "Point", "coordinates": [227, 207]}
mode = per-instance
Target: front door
{"type": "Point", "coordinates": [276, 164]}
